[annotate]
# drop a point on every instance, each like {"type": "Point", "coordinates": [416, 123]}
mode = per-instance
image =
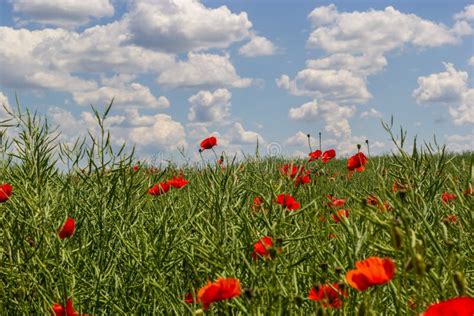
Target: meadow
{"type": "Point", "coordinates": [135, 248]}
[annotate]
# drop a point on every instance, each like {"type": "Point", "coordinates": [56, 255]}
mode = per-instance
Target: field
{"type": "Point", "coordinates": [132, 252]}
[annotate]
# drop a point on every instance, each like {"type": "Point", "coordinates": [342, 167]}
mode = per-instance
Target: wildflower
{"type": "Point", "coordinates": [159, 188]}
{"type": "Point", "coordinates": [257, 203]}
{"type": "Point", "coordinates": [339, 215]}
{"type": "Point", "coordinates": [468, 191]}
{"type": "Point", "coordinates": [68, 228]}
{"type": "Point", "coordinates": [189, 297]}
{"type": "Point", "coordinates": [335, 202]}
{"type": "Point", "coordinates": [5, 192]}
{"type": "Point", "coordinates": [292, 170]}
{"type": "Point", "coordinates": [60, 310]}
{"type": "Point", "coordinates": [208, 143]}
{"type": "Point", "coordinates": [458, 306]}
{"type": "Point", "coordinates": [328, 155]}
{"type": "Point", "coordinates": [370, 272]}
{"type": "Point", "coordinates": [328, 295]}
{"type": "Point", "coordinates": [136, 167]}
{"type": "Point", "coordinates": [315, 155]}
{"type": "Point", "coordinates": [448, 197]}
{"type": "Point", "coordinates": [177, 182]}
{"type": "Point", "coordinates": [450, 218]}
{"type": "Point", "coordinates": [262, 248]}
{"type": "Point", "coordinates": [357, 162]}
{"type": "Point", "coordinates": [222, 289]}
{"type": "Point", "coordinates": [302, 180]}
{"type": "Point", "coordinates": [288, 201]}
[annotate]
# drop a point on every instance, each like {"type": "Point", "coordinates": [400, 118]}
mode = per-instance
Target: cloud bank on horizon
{"type": "Point", "coordinates": [180, 71]}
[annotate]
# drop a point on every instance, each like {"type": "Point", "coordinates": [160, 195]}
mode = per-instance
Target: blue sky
{"type": "Point", "coordinates": [181, 71]}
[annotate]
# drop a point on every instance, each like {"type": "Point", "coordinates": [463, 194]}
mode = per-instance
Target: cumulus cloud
{"type": "Point", "coordinates": [471, 61]}
{"type": "Point", "coordinates": [182, 26]}
{"type": "Point", "coordinates": [333, 115]}
{"type": "Point", "coordinates": [4, 105]}
{"type": "Point", "coordinates": [257, 46]}
{"type": "Point", "coordinates": [466, 14]}
{"type": "Point", "coordinates": [207, 106]}
{"type": "Point", "coordinates": [203, 70]}
{"type": "Point", "coordinates": [449, 88]}
{"type": "Point", "coordinates": [361, 65]}
{"type": "Point", "coordinates": [238, 135]}
{"type": "Point", "coordinates": [62, 13]}
{"type": "Point", "coordinates": [299, 139]}
{"type": "Point", "coordinates": [459, 143]}
{"type": "Point", "coordinates": [371, 113]}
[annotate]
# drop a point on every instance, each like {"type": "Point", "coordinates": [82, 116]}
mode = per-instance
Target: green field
{"type": "Point", "coordinates": [134, 253]}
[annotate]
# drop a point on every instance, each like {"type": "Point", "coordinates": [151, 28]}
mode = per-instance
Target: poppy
{"type": "Point", "coordinates": [257, 203]}
{"type": "Point", "coordinates": [292, 170]}
{"type": "Point", "coordinates": [288, 201]}
{"type": "Point", "coordinates": [5, 192]}
{"type": "Point", "coordinates": [302, 180]}
{"type": "Point", "coordinates": [208, 143]}
{"type": "Point", "coordinates": [67, 230]}
{"type": "Point", "coordinates": [159, 188]}
{"type": "Point", "coordinates": [60, 310]}
{"type": "Point", "coordinates": [177, 182]}
{"type": "Point", "coordinates": [262, 248]}
{"type": "Point", "coordinates": [328, 155]}
{"type": "Point", "coordinates": [222, 289]}
{"type": "Point", "coordinates": [136, 168]}
{"type": "Point", "coordinates": [189, 298]}
{"type": "Point", "coordinates": [339, 215]}
{"type": "Point", "coordinates": [370, 272]}
{"type": "Point", "coordinates": [328, 295]}
{"type": "Point", "coordinates": [459, 306]}
{"type": "Point", "coordinates": [450, 218]}
{"type": "Point", "coordinates": [335, 202]}
{"type": "Point", "coordinates": [448, 197]}
{"type": "Point", "coordinates": [357, 162]}
{"type": "Point", "coordinates": [315, 155]}
{"type": "Point", "coordinates": [468, 191]}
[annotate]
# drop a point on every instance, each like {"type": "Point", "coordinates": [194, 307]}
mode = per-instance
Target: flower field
{"type": "Point", "coordinates": [108, 235]}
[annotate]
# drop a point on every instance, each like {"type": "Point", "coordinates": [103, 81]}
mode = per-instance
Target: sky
{"type": "Point", "coordinates": [181, 71]}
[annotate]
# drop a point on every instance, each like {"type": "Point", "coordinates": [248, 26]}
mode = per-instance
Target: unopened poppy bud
{"type": "Point", "coordinates": [366, 141]}
{"type": "Point", "coordinates": [358, 146]}
{"type": "Point", "coordinates": [199, 312]}
{"type": "Point", "coordinates": [248, 292]}
{"type": "Point", "coordinates": [273, 252]}
{"type": "Point", "coordinates": [338, 270]}
{"type": "Point", "coordinates": [279, 242]}
{"type": "Point", "coordinates": [420, 265]}
{"type": "Point", "coordinates": [342, 286]}
{"type": "Point", "coordinates": [200, 150]}
{"type": "Point", "coordinates": [308, 135]}
{"type": "Point", "coordinates": [460, 282]}
{"type": "Point", "coordinates": [397, 237]}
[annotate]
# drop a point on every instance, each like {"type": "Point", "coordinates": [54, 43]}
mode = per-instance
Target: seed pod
{"type": "Point", "coordinates": [397, 237]}
{"type": "Point", "coordinates": [460, 282]}
{"type": "Point", "coordinates": [420, 265]}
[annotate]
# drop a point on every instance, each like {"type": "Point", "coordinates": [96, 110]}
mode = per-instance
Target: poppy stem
{"type": "Point", "coordinates": [309, 143]}
{"type": "Point", "coordinates": [215, 154]}
{"type": "Point", "coordinates": [320, 141]}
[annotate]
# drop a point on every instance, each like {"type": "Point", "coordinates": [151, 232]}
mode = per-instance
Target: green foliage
{"type": "Point", "coordinates": [133, 253]}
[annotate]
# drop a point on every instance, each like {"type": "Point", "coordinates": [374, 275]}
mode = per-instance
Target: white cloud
{"type": "Point", "coordinates": [203, 70]}
{"type": "Point", "coordinates": [374, 31]}
{"type": "Point", "coordinates": [124, 92]}
{"type": "Point", "coordinates": [471, 61]}
{"type": "Point", "coordinates": [323, 15]}
{"type": "Point", "coordinates": [299, 139]}
{"type": "Point", "coordinates": [371, 113]}
{"type": "Point", "coordinates": [63, 13]}
{"type": "Point", "coordinates": [328, 84]}
{"type": "Point", "coordinates": [334, 116]}
{"type": "Point", "coordinates": [207, 106]}
{"type": "Point", "coordinates": [182, 26]}
{"type": "Point", "coordinates": [4, 104]}
{"type": "Point", "coordinates": [466, 14]}
{"type": "Point", "coordinates": [449, 88]}
{"type": "Point", "coordinates": [238, 135]}
{"type": "Point", "coordinates": [361, 65]}
{"type": "Point", "coordinates": [257, 46]}
{"type": "Point", "coordinates": [460, 142]}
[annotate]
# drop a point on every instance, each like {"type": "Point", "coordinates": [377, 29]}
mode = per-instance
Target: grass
{"type": "Point", "coordinates": [133, 253]}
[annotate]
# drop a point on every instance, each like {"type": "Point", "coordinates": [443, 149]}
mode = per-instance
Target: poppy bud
{"type": "Point", "coordinates": [308, 135]}
{"type": "Point", "coordinates": [324, 266]}
{"type": "Point", "coordinates": [460, 283]}
{"type": "Point", "coordinates": [338, 270]}
{"type": "Point", "coordinates": [397, 237]}
{"type": "Point", "coordinates": [366, 141]}
{"type": "Point", "coordinates": [248, 292]}
{"type": "Point", "coordinates": [420, 265]}
{"type": "Point", "coordinates": [358, 146]}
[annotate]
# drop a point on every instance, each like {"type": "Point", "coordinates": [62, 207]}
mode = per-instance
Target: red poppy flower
{"type": "Point", "coordinates": [60, 310]}
{"type": "Point", "coordinates": [339, 215]}
{"type": "Point", "coordinates": [288, 201]}
{"type": "Point", "coordinates": [328, 155]}
{"type": "Point", "coordinates": [222, 289]}
{"type": "Point", "coordinates": [257, 203]}
{"type": "Point", "coordinates": [189, 298]}
{"type": "Point", "coordinates": [458, 306]}
{"type": "Point", "coordinates": [315, 155]}
{"type": "Point", "coordinates": [177, 182]}
{"type": "Point", "coordinates": [328, 295]}
{"type": "Point", "coordinates": [67, 230]}
{"type": "Point", "coordinates": [335, 202]}
{"type": "Point", "coordinates": [450, 218]}
{"type": "Point", "coordinates": [293, 170]}
{"type": "Point", "coordinates": [370, 272]}
{"type": "Point", "coordinates": [5, 192]}
{"type": "Point", "coordinates": [357, 162]}
{"type": "Point", "coordinates": [448, 197]}
{"type": "Point", "coordinates": [262, 248]}
{"type": "Point", "coordinates": [468, 191]}
{"type": "Point", "coordinates": [302, 180]}
{"type": "Point", "coordinates": [159, 188]}
{"type": "Point", "coordinates": [208, 143]}
{"type": "Point", "coordinates": [136, 168]}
